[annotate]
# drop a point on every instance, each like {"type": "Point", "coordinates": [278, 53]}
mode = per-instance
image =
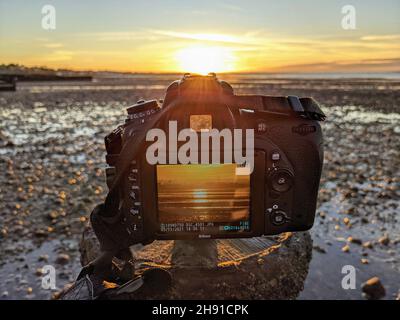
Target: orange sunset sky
{"type": "Point", "coordinates": [202, 36]}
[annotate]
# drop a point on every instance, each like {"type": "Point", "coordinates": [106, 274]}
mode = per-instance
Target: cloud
{"type": "Point", "coordinates": [386, 37]}
{"type": "Point", "coordinates": [251, 37]}
{"type": "Point", "coordinates": [231, 7]}
{"type": "Point", "coordinates": [116, 35]}
{"type": "Point", "coordinates": [58, 55]}
{"type": "Point", "coordinates": [213, 37]}
{"type": "Point", "coordinates": [366, 65]}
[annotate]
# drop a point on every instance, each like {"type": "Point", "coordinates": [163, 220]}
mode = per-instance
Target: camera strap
{"type": "Point", "coordinates": [306, 108]}
{"type": "Point", "coordinates": [130, 150]}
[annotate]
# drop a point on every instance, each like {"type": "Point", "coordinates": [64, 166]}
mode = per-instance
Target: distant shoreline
{"type": "Point", "coordinates": [40, 72]}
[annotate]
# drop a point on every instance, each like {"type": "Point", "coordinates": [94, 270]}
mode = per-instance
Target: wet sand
{"type": "Point", "coordinates": [52, 160]}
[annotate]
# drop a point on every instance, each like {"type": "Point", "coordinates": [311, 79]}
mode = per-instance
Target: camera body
{"type": "Point", "coordinates": [181, 200]}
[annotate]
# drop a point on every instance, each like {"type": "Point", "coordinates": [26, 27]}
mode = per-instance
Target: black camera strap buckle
{"type": "Point", "coordinates": [312, 110]}
{"type": "Point", "coordinates": [306, 108]}
{"type": "Point", "coordinates": [295, 103]}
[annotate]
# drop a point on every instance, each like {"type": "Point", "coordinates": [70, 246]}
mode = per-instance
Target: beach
{"type": "Point", "coordinates": [52, 160]}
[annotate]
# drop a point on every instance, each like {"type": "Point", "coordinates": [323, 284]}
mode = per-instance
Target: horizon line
{"type": "Point", "coordinates": [17, 65]}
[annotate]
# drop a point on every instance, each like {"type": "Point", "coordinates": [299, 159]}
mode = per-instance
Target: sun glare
{"type": "Point", "coordinates": [206, 59]}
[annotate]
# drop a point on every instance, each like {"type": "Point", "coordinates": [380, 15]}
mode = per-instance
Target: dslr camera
{"type": "Point", "coordinates": [206, 163]}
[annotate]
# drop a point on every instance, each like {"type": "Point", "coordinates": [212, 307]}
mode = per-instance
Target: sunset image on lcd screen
{"type": "Point", "coordinates": [202, 193]}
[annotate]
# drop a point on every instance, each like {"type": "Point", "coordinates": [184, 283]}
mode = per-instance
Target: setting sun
{"type": "Point", "coordinates": [204, 59]}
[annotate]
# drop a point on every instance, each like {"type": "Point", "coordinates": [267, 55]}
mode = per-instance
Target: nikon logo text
{"type": "Point", "coordinates": [201, 148]}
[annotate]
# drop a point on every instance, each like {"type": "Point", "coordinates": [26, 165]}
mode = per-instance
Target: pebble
{"type": "Point", "coordinates": [354, 240]}
{"type": "Point", "coordinates": [346, 248]}
{"type": "Point", "coordinates": [384, 240]}
{"type": "Point", "coordinates": [373, 289]}
{"type": "Point", "coordinates": [3, 233]}
{"type": "Point", "coordinates": [43, 257]}
{"type": "Point", "coordinates": [41, 233]}
{"type": "Point", "coordinates": [52, 215]}
{"type": "Point", "coordinates": [39, 272]}
{"type": "Point", "coordinates": [319, 249]}
{"type": "Point", "coordinates": [364, 220]}
{"type": "Point", "coordinates": [368, 245]}
{"type": "Point", "coordinates": [63, 258]}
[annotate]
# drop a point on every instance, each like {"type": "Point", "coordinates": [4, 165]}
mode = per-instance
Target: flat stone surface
{"type": "Point", "coordinates": [256, 268]}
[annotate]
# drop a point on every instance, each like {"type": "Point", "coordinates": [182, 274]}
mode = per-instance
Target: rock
{"type": "Point", "coordinates": [364, 220]}
{"type": "Point", "coordinates": [354, 240]}
{"type": "Point", "coordinates": [319, 249]}
{"type": "Point", "coordinates": [351, 211]}
{"type": "Point", "coordinates": [267, 271]}
{"type": "Point", "coordinates": [4, 294]}
{"type": "Point", "coordinates": [52, 215]}
{"type": "Point", "coordinates": [63, 258]}
{"type": "Point", "coordinates": [41, 233]}
{"type": "Point", "coordinates": [3, 233]}
{"type": "Point", "coordinates": [10, 249]}
{"type": "Point", "coordinates": [373, 289]}
{"type": "Point", "coordinates": [44, 258]}
{"type": "Point", "coordinates": [39, 272]}
{"type": "Point", "coordinates": [368, 245]}
{"type": "Point", "coordinates": [346, 248]}
{"type": "Point", "coordinates": [5, 140]}
{"type": "Point", "coordinates": [384, 240]}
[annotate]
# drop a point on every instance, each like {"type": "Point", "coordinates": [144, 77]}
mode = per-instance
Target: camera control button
{"type": "Point", "coordinates": [143, 108]}
{"type": "Point", "coordinates": [281, 180]}
{"type": "Point", "coordinates": [134, 195]}
{"type": "Point", "coordinates": [278, 217]}
{"type": "Point", "coordinates": [134, 211]}
{"type": "Point", "coordinates": [262, 126]}
{"type": "Point", "coordinates": [275, 156]}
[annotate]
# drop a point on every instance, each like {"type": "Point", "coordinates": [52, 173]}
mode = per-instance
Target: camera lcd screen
{"type": "Point", "coordinates": [206, 198]}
